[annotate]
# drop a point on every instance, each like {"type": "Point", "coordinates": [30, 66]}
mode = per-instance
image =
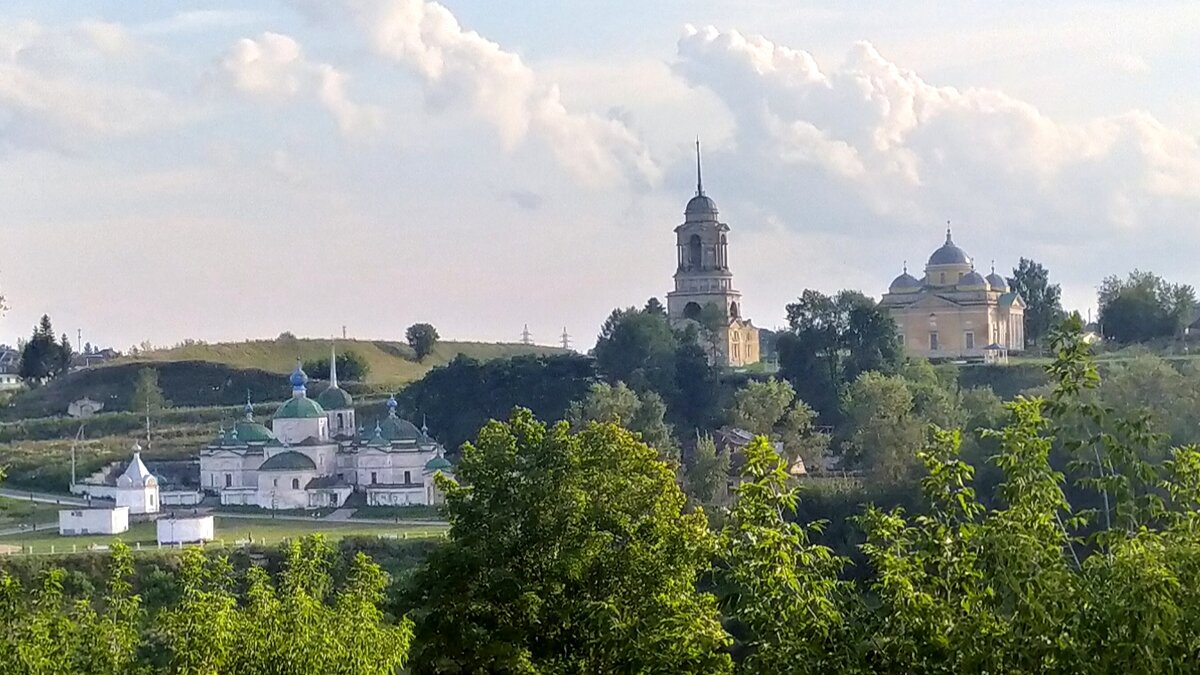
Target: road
{"type": "Point", "coordinates": [43, 497]}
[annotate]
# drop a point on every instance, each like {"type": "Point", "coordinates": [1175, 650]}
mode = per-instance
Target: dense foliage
{"type": "Point", "coordinates": [45, 356]}
{"type": "Point", "coordinates": [1043, 300]}
{"type": "Point", "coordinates": [351, 367]}
{"type": "Point", "coordinates": [303, 622]}
{"type": "Point", "coordinates": [421, 337]}
{"type": "Point", "coordinates": [1143, 307]}
{"type": "Point", "coordinates": [148, 397]}
{"type": "Point", "coordinates": [568, 553]}
{"type": "Point", "coordinates": [830, 341]}
{"type": "Point", "coordinates": [460, 397]}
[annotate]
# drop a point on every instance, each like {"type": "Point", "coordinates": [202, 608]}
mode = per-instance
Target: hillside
{"type": "Point", "coordinates": [391, 363]}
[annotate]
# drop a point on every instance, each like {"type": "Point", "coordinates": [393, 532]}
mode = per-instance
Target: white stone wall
{"type": "Point", "coordinates": [93, 521]}
{"type": "Point", "coordinates": [275, 489]}
{"type": "Point", "coordinates": [140, 499]}
{"type": "Point", "coordinates": [185, 530]}
{"type": "Point", "coordinates": [294, 431]}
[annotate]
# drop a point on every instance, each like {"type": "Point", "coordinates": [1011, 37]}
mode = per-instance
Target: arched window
{"type": "Point", "coordinates": [691, 310]}
{"type": "Point", "coordinates": [723, 254]}
{"type": "Point", "coordinates": [295, 483]}
{"type": "Point", "coordinates": [734, 311]}
{"type": "Point", "coordinates": [341, 422]}
{"type": "Point", "coordinates": [694, 255]}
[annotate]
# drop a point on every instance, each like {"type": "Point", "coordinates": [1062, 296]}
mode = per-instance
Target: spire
{"type": "Point", "coordinates": [332, 367]}
{"type": "Point", "coordinates": [906, 267]}
{"type": "Point", "coordinates": [248, 409]}
{"type": "Point", "coordinates": [699, 180]}
{"type": "Point", "coordinates": [948, 239]}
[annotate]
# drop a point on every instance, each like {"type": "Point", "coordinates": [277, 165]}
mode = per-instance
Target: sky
{"type": "Point", "coordinates": [233, 170]}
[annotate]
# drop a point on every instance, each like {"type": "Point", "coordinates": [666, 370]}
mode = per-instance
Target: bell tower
{"type": "Point", "coordinates": [702, 273]}
{"type": "Point", "coordinates": [702, 278]}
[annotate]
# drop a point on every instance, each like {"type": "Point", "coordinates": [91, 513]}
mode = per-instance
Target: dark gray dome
{"type": "Point", "coordinates": [701, 206]}
{"type": "Point", "coordinates": [972, 278]}
{"type": "Point", "coordinates": [997, 282]}
{"type": "Point", "coordinates": [949, 254]}
{"type": "Point", "coordinates": [905, 282]}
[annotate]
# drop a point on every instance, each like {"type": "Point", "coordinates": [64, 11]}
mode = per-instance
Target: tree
{"type": "Point", "coordinates": [1043, 300]}
{"type": "Point", "coordinates": [1143, 307]}
{"type": "Point", "coordinates": [618, 404]}
{"type": "Point", "coordinates": [653, 306]}
{"type": "Point", "coordinates": [781, 590]}
{"type": "Point", "coordinates": [460, 397]}
{"type": "Point", "coordinates": [43, 356]}
{"type": "Point", "coordinates": [638, 348]}
{"type": "Point", "coordinates": [351, 367]}
{"type": "Point", "coordinates": [882, 434]}
{"type": "Point", "coordinates": [147, 395]}
{"type": "Point", "coordinates": [771, 409]}
{"type": "Point", "coordinates": [567, 552]}
{"type": "Point", "coordinates": [421, 337]}
{"type": "Point", "coordinates": [832, 339]}
{"type": "Point", "coordinates": [706, 477]}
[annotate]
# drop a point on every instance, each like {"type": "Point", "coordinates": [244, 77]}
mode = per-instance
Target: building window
{"type": "Point", "coordinates": [933, 341]}
{"type": "Point", "coordinates": [969, 340]}
{"type": "Point", "coordinates": [274, 482]}
{"type": "Point", "coordinates": [228, 480]}
{"type": "Point", "coordinates": [295, 483]}
{"type": "Point", "coordinates": [373, 478]}
{"type": "Point", "coordinates": [341, 422]}
{"type": "Point", "coordinates": [407, 477]}
{"type": "Point", "coordinates": [941, 277]}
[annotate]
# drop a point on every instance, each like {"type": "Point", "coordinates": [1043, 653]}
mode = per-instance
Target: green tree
{"type": "Point", "coordinates": [882, 433]}
{"type": "Point", "coordinates": [781, 591]}
{"type": "Point", "coordinates": [567, 553]}
{"type": "Point", "coordinates": [1043, 300]}
{"type": "Point", "coordinates": [619, 404]}
{"type": "Point", "coordinates": [653, 306]}
{"type": "Point", "coordinates": [831, 340]}
{"type": "Point", "coordinates": [1143, 307]}
{"type": "Point", "coordinates": [43, 356]}
{"type": "Point", "coordinates": [638, 348]}
{"type": "Point", "coordinates": [147, 395]}
{"type": "Point", "coordinates": [706, 476]}
{"type": "Point", "coordinates": [421, 337]}
{"type": "Point", "coordinates": [771, 409]}
{"type": "Point", "coordinates": [351, 367]}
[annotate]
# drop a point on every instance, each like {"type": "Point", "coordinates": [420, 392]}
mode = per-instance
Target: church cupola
{"type": "Point", "coordinates": [299, 380]}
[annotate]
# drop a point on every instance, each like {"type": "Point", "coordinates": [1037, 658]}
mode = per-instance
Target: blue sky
{"type": "Point", "coordinates": [233, 170]}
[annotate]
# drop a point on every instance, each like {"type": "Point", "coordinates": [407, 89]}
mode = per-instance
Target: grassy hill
{"type": "Point", "coordinates": [391, 363]}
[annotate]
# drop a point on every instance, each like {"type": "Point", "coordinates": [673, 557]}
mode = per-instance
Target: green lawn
{"type": "Point", "coordinates": [228, 530]}
{"type": "Point", "coordinates": [15, 512]}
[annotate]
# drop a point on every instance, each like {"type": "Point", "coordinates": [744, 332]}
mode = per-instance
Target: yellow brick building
{"type": "Point", "coordinates": [954, 312]}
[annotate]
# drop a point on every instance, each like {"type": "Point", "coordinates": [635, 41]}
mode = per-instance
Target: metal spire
{"type": "Point", "coordinates": [699, 180]}
{"type": "Point", "coordinates": [948, 240]}
{"type": "Point", "coordinates": [332, 367]}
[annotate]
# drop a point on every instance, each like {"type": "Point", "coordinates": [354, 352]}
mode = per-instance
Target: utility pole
{"type": "Point", "coordinates": [343, 331]}
{"type": "Point", "coordinates": [526, 336]}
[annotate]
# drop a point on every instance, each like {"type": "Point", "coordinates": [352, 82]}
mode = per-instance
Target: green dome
{"type": "Point", "coordinates": [253, 432]}
{"type": "Point", "coordinates": [335, 398]}
{"type": "Point", "coordinates": [398, 429]}
{"type": "Point", "coordinates": [289, 461]}
{"type": "Point", "coordinates": [299, 407]}
{"type": "Point", "coordinates": [438, 464]}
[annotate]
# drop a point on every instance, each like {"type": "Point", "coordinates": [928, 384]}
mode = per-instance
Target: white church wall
{"type": "Point", "coordinates": [93, 521]}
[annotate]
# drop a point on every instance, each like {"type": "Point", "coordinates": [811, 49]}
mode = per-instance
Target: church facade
{"type": "Point", "coordinates": [954, 311]}
{"type": "Point", "coordinates": [314, 455]}
{"type": "Point", "coordinates": [704, 294]}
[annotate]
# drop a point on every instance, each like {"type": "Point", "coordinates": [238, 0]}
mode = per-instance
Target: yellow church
{"type": "Point", "coordinates": [954, 312]}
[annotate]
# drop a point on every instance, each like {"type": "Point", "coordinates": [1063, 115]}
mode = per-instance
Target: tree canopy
{"type": "Point", "coordinates": [568, 552]}
{"type": "Point", "coordinates": [831, 340]}
{"type": "Point", "coordinates": [421, 337]}
{"type": "Point", "coordinates": [1143, 307]}
{"type": "Point", "coordinates": [351, 367]}
{"type": "Point", "coordinates": [45, 356]}
{"type": "Point", "coordinates": [1043, 300]}
{"type": "Point", "coordinates": [147, 395]}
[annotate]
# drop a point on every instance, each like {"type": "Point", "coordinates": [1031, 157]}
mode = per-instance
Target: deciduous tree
{"type": "Point", "coordinates": [421, 337]}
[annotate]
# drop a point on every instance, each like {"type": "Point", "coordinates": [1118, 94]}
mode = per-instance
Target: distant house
{"type": "Point", "coordinates": [734, 441]}
{"type": "Point", "coordinates": [93, 358]}
{"type": "Point", "coordinates": [10, 378]}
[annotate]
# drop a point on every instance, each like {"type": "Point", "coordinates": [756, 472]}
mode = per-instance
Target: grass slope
{"type": "Point", "coordinates": [391, 363]}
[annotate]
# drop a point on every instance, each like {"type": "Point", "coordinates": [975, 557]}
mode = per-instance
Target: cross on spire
{"type": "Point", "coordinates": [699, 180]}
{"type": "Point", "coordinates": [948, 240]}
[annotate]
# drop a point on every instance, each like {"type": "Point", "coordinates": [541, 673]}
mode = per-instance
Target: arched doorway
{"type": "Point", "coordinates": [691, 311]}
{"type": "Point", "coordinates": [695, 259]}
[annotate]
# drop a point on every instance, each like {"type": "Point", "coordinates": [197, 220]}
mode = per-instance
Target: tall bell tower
{"type": "Point", "coordinates": [702, 277]}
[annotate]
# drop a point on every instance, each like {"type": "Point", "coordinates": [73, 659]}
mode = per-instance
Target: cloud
{"type": "Point", "coordinates": [1130, 64]}
{"type": "Point", "coordinates": [460, 69]}
{"type": "Point", "coordinates": [274, 66]}
{"type": "Point", "coordinates": [54, 92]}
{"type": "Point", "coordinates": [875, 150]}
{"type": "Point", "coordinates": [530, 201]}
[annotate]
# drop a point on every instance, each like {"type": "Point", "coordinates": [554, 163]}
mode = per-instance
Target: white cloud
{"type": "Point", "coordinates": [875, 147]}
{"type": "Point", "coordinates": [461, 68]}
{"type": "Point", "coordinates": [274, 66]}
{"type": "Point", "coordinates": [50, 95]}
{"type": "Point", "coordinates": [1130, 64]}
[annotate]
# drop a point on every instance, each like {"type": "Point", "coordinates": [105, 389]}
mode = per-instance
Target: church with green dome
{"type": "Point", "coordinates": [314, 455]}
